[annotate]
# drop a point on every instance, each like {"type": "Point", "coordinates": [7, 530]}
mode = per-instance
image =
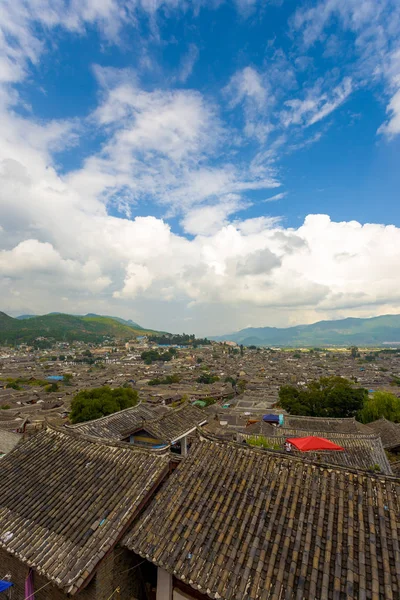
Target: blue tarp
{"type": "Point", "coordinates": [55, 378]}
{"type": "Point", "coordinates": [271, 418]}
{"type": "Point", "coordinates": [4, 585]}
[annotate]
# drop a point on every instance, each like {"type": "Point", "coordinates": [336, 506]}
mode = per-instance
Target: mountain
{"type": "Point", "coordinates": [22, 317]}
{"type": "Point", "coordinates": [128, 322]}
{"type": "Point", "coordinates": [61, 327]}
{"type": "Point", "coordinates": [376, 331]}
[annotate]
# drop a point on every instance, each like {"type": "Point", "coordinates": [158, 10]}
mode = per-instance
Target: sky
{"type": "Point", "coordinates": [200, 166]}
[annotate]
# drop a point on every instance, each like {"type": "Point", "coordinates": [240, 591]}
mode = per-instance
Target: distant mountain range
{"type": "Point", "coordinates": [62, 327]}
{"type": "Point", "coordinates": [376, 331]}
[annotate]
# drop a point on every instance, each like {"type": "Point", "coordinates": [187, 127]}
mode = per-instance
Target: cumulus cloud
{"type": "Point", "coordinates": [70, 241]}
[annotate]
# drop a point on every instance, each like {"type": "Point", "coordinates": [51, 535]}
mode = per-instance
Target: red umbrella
{"type": "Point", "coordinates": [305, 444]}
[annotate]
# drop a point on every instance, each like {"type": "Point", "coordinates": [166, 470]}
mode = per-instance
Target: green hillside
{"type": "Point", "coordinates": [61, 327]}
{"type": "Point", "coordinates": [376, 331]}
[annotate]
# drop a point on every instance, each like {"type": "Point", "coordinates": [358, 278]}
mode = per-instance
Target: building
{"type": "Point", "coordinates": [65, 502]}
{"type": "Point", "coordinates": [143, 425]}
{"type": "Point", "coordinates": [235, 523]}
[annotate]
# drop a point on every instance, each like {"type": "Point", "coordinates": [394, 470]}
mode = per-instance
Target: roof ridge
{"type": "Point", "coordinates": [76, 425]}
{"type": "Point", "coordinates": [68, 432]}
{"type": "Point", "coordinates": [289, 457]}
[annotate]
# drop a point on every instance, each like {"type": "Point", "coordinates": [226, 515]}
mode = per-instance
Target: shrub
{"type": "Point", "coordinates": [99, 402]}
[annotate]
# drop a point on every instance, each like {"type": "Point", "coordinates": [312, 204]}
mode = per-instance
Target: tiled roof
{"type": "Point", "coordinates": [175, 424]}
{"type": "Point", "coordinates": [65, 501]}
{"type": "Point", "coordinates": [8, 441]}
{"type": "Point", "coordinates": [389, 432]}
{"type": "Point", "coordinates": [346, 425]}
{"type": "Point", "coordinates": [113, 426]}
{"type": "Point", "coordinates": [235, 522]}
{"type": "Point", "coordinates": [168, 427]}
{"type": "Point", "coordinates": [360, 451]}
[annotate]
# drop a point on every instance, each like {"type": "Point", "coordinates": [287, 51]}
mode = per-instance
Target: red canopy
{"type": "Point", "coordinates": [305, 444]}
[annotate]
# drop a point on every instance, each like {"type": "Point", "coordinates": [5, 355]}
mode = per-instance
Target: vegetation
{"type": "Point", "coordinates": [175, 378]}
{"type": "Point", "coordinates": [328, 397]}
{"type": "Point", "coordinates": [52, 387]}
{"type": "Point", "coordinates": [207, 378]}
{"type": "Point", "coordinates": [99, 402]}
{"type": "Point", "coordinates": [43, 331]}
{"type": "Point", "coordinates": [150, 356]}
{"type": "Point", "coordinates": [5, 406]}
{"type": "Point", "coordinates": [184, 339]}
{"type": "Point", "coordinates": [381, 404]}
{"type": "Point", "coordinates": [261, 442]}
{"type": "Point", "coordinates": [19, 382]}
{"type": "Point", "coordinates": [209, 400]}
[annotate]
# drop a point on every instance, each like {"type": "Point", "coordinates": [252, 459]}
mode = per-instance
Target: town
{"type": "Point", "coordinates": [131, 504]}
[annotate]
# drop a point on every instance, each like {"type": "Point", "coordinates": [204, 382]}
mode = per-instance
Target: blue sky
{"type": "Point", "coordinates": [200, 165]}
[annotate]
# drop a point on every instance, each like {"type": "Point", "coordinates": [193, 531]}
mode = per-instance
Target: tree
{"type": "Point", "coordinates": [354, 351]}
{"type": "Point", "coordinates": [381, 404]}
{"type": "Point", "coordinates": [67, 377]}
{"type": "Point", "coordinates": [207, 378]}
{"type": "Point", "coordinates": [53, 387]}
{"type": "Point", "coordinates": [230, 380]}
{"type": "Point", "coordinates": [98, 402]}
{"type": "Point", "coordinates": [329, 397]}
{"type": "Point", "coordinates": [241, 350]}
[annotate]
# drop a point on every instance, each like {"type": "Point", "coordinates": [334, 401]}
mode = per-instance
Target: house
{"type": "Point", "coordinates": [389, 432]}
{"type": "Point", "coordinates": [65, 502]}
{"type": "Point", "coordinates": [145, 426]}
{"type": "Point", "coordinates": [114, 426]}
{"type": "Point", "coordinates": [360, 451]}
{"type": "Point", "coordinates": [236, 523]}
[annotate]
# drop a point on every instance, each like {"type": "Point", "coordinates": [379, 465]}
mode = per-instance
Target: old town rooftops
{"type": "Point", "coordinates": [65, 501]}
{"type": "Point", "coordinates": [236, 522]}
{"type": "Point", "coordinates": [170, 426]}
{"type": "Point", "coordinates": [112, 426]}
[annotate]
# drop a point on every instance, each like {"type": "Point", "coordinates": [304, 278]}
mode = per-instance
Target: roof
{"type": "Point", "coordinates": [389, 432]}
{"type": "Point", "coordinates": [345, 425]}
{"type": "Point", "coordinates": [175, 424]}
{"type": "Point", "coordinates": [170, 426]}
{"type": "Point", "coordinates": [8, 441]}
{"type": "Point", "coordinates": [235, 522]}
{"type": "Point", "coordinates": [113, 426]}
{"type": "Point", "coordinates": [360, 451]}
{"type": "Point", "coordinates": [66, 500]}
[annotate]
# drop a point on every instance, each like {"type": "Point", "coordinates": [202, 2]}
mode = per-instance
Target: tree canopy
{"type": "Point", "coordinates": [150, 356]}
{"type": "Point", "coordinates": [381, 404]}
{"type": "Point", "coordinates": [99, 402]}
{"type": "Point", "coordinates": [327, 397]}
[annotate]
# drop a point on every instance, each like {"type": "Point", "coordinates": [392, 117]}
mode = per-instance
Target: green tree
{"type": "Point", "coordinates": [328, 397]}
{"type": "Point", "coordinates": [241, 350]}
{"type": "Point", "coordinates": [67, 377]}
{"type": "Point", "coordinates": [207, 378]}
{"type": "Point", "coordinates": [241, 386]}
{"type": "Point", "coordinates": [354, 351]}
{"type": "Point", "coordinates": [53, 387]}
{"type": "Point", "coordinates": [381, 404]}
{"type": "Point", "coordinates": [99, 402]}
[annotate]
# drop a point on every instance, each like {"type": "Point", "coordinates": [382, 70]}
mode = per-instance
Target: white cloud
{"type": "Point", "coordinates": [188, 62]}
{"type": "Point", "coordinates": [244, 84]}
{"type": "Point", "coordinates": [392, 127]}
{"type": "Point", "coordinates": [61, 249]}
{"type": "Point", "coordinates": [316, 106]}
{"type": "Point", "coordinates": [375, 54]}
